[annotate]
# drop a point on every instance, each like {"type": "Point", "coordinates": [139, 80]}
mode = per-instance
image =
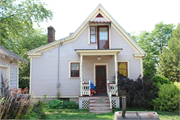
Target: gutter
{"type": "Point", "coordinates": [58, 83]}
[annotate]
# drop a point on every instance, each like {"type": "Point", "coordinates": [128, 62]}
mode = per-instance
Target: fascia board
{"type": "Point", "coordinates": [77, 31]}
{"type": "Point", "coordinates": [122, 30]}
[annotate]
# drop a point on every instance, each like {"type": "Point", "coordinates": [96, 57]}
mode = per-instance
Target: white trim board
{"type": "Point", "coordinates": [99, 9]}
{"type": "Point", "coordinates": [30, 75]}
{"type": "Point", "coordinates": [94, 69]}
{"type": "Point", "coordinates": [56, 97]}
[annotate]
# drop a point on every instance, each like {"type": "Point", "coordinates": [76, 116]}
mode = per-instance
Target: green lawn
{"type": "Point", "coordinates": [85, 114]}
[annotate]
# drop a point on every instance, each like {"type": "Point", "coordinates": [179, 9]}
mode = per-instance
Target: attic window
{"type": "Point", "coordinates": [93, 34]}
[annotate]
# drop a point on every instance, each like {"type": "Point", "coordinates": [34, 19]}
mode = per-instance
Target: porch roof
{"type": "Point", "coordinates": [97, 52]}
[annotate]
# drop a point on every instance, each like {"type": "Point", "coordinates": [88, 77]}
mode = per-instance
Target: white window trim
{"type": "Point", "coordinates": [89, 40]}
{"type": "Point", "coordinates": [95, 71]}
{"type": "Point", "coordinates": [70, 69]}
{"type": "Point", "coordinates": [89, 33]}
{"type": "Point", "coordinates": [127, 64]}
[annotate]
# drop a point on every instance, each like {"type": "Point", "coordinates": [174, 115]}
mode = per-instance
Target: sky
{"type": "Point", "coordinates": [133, 15]}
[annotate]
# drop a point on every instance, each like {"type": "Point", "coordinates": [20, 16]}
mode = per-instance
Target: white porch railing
{"type": "Point", "coordinates": [113, 88]}
{"type": "Point", "coordinates": [109, 93]}
{"type": "Point", "coordinates": [85, 89]}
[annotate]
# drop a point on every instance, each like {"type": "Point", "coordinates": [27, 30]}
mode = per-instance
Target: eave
{"type": "Point", "coordinates": [98, 52]}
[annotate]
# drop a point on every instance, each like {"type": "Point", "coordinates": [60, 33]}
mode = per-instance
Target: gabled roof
{"type": "Point", "coordinates": [6, 52]}
{"type": "Point", "coordinates": [99, 9]}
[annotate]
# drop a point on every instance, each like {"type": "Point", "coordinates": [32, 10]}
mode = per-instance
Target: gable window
{"type": "Point", "coordinates": [93, 34]}
{"type": "Point", "coordinates": [123, 68]}
{"type": "Point", "coordinates": [74, 69]}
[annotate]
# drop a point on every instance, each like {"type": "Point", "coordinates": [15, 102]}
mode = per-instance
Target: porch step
{"type": "Point", "coordinates": [99, 105]}
{"type": "Point", "coordinates": [100, 111]}
{"type": "Point", "coordinates": [99, 101]}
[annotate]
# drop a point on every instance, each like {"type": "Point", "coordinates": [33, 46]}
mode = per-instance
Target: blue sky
{"type": "Point", "coordinates": [132, 15]}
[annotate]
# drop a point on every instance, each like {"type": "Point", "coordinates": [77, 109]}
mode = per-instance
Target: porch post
{"type": "Point", "coordinates": [115, 62]}
{"type": "Point", "coordinates": [81, 80]}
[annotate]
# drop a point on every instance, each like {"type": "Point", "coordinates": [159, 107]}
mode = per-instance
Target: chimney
{"type": "Point", "coordinates": [51, 34]}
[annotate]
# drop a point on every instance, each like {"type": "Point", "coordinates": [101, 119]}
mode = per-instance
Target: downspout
{"type": "Point", "coordinates": [58, 84]}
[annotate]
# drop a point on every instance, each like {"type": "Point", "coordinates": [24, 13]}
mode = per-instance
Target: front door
{"type": "Point", "coordinates": [103, 37]}
{"type": "Point", "coordinates": [100, 79]}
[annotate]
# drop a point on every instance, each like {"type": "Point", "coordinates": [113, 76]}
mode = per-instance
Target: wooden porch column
{"type": "Point", "coordinates": [115, 62]}
{"type": "Point", "coordinates": [81, 80]}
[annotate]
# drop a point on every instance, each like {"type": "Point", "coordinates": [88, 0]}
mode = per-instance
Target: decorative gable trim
{"type": "Point", "coordinates": [99, 11]}
{"type": "Point", "coordinates": [99, 15]}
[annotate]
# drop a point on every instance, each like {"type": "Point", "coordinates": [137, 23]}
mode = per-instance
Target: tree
{"type": "Point", "coordinates": [152, 43]}
{"type": "Point", "coordinates": [160, 36]}
{"type": "Point", "coordinates": [30, 42]}
{"type": "Point", "coordinates": [17, 33]}
{"type": "Point", "coordinates": [17, 18]}
{"type": "Point", "coordinates": [169, 63]}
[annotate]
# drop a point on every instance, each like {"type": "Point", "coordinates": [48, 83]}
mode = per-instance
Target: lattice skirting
{"type": "Point", "coordinates": [113, 103]}
{"type": "Point", "coordinates": [85, 104]}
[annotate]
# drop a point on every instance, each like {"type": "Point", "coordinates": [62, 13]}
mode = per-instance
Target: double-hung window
{"type": "Point", "coordinates": [74, 69]}
{"type": "Point", "coordinates": [123, 68]}
{"type": "Point", "coordinates": [93, 34]}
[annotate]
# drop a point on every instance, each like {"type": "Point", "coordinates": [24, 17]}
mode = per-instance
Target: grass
{"type": "Point", "coordinates": [85, 114]}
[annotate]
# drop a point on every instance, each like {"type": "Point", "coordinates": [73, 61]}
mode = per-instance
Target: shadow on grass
{"type": "Point", "coordinates": [85, 114]}
{"type": "Point", "coordinates": [76, 114]}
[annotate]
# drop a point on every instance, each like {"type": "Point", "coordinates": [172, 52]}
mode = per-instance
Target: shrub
{"type": "Point", "coordinates": [36, 112]}
{"type": "Point", "coordinates": [60, 104]}
{"type": "Point", "coordinates": [159, 80]}
{"type": "Point", "coordinates": [13, 103]}
{"type": "Point", "coordinates": [139, 93]}
{"type": "Point", "coordinates": [168, 97]}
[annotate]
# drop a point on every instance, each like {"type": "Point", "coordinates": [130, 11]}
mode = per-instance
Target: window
{"type": "Point", "coordinates": [74, 69]}
{"type": "Point", "coordinates": [93, 34]}
{"type": "Point", "coordinates": [123, 68]}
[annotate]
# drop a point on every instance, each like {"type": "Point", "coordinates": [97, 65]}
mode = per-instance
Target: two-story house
{"type": "Point", "coordinates": [95, 52]}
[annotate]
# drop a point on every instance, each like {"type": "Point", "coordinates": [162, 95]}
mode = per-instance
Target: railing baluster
{"type": "Point", "coordinates": [109, 93]}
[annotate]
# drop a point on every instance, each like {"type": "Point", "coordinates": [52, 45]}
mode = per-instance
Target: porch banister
{"type": "Point", "coordinates": [109, 93]}
{"type": "Point", "coordinates": [89, 89]}
{"type": "Point", "coordinates": [115, 62]}
{"type": "Point", "coordinates": [81, 80]}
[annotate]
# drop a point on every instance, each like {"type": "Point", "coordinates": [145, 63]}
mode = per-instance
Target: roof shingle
{"type": "Point", "coordinates": [6, 52]}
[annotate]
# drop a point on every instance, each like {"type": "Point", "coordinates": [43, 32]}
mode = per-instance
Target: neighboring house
{"type": "Point", "coordinates": [94, 52]}
{"type": "Point", "coordinates": [9, 66]}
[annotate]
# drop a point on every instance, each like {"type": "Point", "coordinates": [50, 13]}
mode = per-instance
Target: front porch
{"type": "Point", "coordinates": [99, 102]}
{"type": "Point", "coordinates": [103, 69]}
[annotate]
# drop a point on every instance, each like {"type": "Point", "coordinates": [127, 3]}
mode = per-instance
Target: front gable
{"type": "Point", "coordinates": [98, 17]}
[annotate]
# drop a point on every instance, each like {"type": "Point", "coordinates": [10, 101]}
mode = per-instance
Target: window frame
{"type": "Point", "coordinates": [127, 71]}
{"type": "Point", "coordinates": [107, 35]}
{"type": "Point", "coordinates": [71, 69]}
{"type": "Point", "coordinates": [93, 34]}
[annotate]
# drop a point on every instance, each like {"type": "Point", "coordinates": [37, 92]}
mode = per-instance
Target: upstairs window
{"type": "Point", "coordinates": [93, 34]}
{"type": "Point", "coordinates": [123, 68]}
{"type": "Point", "coordinates": [74, 69]}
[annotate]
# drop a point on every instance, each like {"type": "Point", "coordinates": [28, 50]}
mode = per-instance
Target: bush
{"type": "Point", "coordinates": [139, 93]}
{"type": "Point", "coordinates": [13, 103]}
{"type": "Point", "coordinates": [168, 97]}
{"type": "Point", "coordinates": [36, 112]}
{"type": "Point", "coordinates": [60, 104]}
{"type": "Point", "coordinates": [159, 80]}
